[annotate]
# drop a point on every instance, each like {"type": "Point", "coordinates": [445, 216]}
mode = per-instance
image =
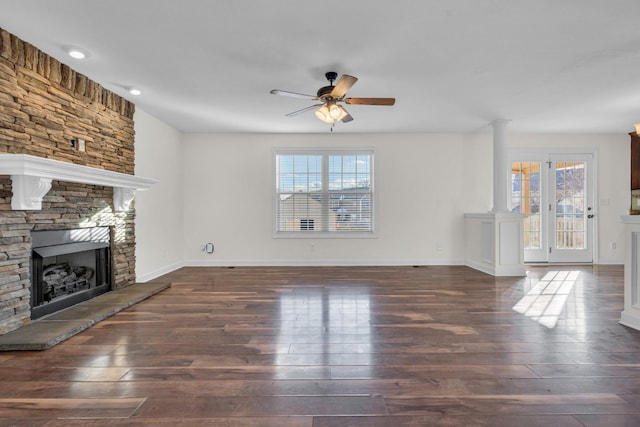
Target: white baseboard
{"type": "Point", "coordinates": [481, 267]}
{"type": "Point", "coordinates": [506, 271]}
{"type": "Point", "coordinates": [145, 277]}
{"type": "Point", "coordinates": [610, 261]}
{"type": "Point", "coordinates": [316, 262]}
{"type": "Point", "coordinates": [630, 319]}
{"type": "Point", "coordinates": [157, 273]}
{"type": "Point", "coordinates": [334, 262]}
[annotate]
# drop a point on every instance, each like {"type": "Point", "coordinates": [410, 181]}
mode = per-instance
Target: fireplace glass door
{"type": "Point", "coordinates": [64, 273]}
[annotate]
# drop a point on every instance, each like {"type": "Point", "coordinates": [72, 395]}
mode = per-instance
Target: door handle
{"type": "Point", "coordinates": [590, 216]}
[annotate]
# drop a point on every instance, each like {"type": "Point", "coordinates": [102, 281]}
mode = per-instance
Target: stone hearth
{"type": "Point", "coordinates": [51, 330]}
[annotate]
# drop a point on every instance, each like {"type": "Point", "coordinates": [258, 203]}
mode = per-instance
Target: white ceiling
{"type": "Point", "coordinates": [453, 65]}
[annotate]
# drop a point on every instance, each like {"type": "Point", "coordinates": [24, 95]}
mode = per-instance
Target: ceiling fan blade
{"type": "Point", "coordinates": [347, 118]}
{"type": "Point", "coordinates": [295, 113]}
{"type": "Point", "coordinates": [343, 85]}
{"type": "Point", "coordinates": [370, 101]}
{"type": "Point", "coordinates": [293, 94]}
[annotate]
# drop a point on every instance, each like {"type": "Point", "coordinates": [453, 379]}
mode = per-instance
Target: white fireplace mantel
{"type": "Point", "coordinates": [31, 178]}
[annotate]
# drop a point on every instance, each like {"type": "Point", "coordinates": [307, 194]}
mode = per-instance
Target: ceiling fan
{"type": "Point", "coordinates": [329, 110]}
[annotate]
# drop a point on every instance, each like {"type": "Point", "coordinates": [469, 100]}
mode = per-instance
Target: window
{"type": "Point", "coordinates": [324, 192]}
{"type": "Point", "coordinates": [307, 224]}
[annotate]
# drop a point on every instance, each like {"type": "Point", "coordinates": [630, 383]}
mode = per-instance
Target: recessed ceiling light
{"type": "Point", "coordinates": [76, 53]}
{"type": "Point", "coordinates": [134, 91]}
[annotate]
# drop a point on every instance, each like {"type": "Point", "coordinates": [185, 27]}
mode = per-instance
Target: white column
{"type": "Point", "coordinates": [500, 167]}
{"type": "Point", "coordinates": [631, 315]}
{"type": "Point", "coordinates": [494, 241]}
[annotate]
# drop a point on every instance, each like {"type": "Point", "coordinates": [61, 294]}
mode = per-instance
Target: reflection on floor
{"type": "Point", "coordinates": [545, 301]}
{"type": "Point", "coordinates": [344, 346]}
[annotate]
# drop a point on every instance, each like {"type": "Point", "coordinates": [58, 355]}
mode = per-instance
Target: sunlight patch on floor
{"type": "Point", "coordinates": [546, 300]}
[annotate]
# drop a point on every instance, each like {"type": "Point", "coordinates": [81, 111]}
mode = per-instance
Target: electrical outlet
{"type": "Point", "coordinates": [81, 145]}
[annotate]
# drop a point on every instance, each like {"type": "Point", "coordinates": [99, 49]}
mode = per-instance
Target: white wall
{"type": "Point", "coordinates": [421, 196]}
{"type": "Point", "coordinates": [424, 184]}
{"type": "Point", "coordinates": [159, 213]}
{"type": "Point", "coordinates": [613, 181]}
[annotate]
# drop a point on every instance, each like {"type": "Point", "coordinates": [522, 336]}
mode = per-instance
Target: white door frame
{"type": "Point", "coordinates": [544, 155]}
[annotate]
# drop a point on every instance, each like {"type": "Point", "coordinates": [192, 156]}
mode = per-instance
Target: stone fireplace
{"type": "Point", "coordinates": [50, 184]}
{"type": "Point", "coordinates": [72, 232]}
{"type": "Point", "coordinates": [68, 267]}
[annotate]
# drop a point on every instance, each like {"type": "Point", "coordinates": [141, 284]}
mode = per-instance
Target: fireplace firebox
{"type": "Point", "coordinates": [68, 267]}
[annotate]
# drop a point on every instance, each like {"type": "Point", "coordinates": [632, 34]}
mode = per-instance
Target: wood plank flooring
{"type": "Point", "coordinates": [344, 346]}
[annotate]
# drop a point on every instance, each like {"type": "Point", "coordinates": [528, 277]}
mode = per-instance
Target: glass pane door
{"type": "Point", "coordinates": [554, 194]}
{"type": "Point", "coordinates": [571, 210]}
{"type": "Point", "coordinates": [526, 199]}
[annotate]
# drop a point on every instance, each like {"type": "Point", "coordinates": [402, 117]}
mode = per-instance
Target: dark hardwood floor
{"type": "Point", "coordinates": [344, 346]}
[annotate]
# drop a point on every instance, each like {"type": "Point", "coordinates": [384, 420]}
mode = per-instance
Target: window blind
{"type": "Point", "coordinates": [324, 192]}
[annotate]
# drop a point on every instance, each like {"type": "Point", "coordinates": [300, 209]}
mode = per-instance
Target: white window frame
{"type": "Point", "coordinates": [326, 233]}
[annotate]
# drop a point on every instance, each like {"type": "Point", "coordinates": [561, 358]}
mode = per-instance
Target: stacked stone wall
{"type": "Point", "coordinates": [44, 104]}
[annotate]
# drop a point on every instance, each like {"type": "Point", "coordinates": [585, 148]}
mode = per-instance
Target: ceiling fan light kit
{"type": "Point", "coordinates": [329, 111]}
{"type": "Point", "coordinates": [323, 114]}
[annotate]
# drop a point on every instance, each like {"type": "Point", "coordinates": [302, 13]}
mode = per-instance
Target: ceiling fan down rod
{"type": "Point", "coordinates": [331, 76]}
